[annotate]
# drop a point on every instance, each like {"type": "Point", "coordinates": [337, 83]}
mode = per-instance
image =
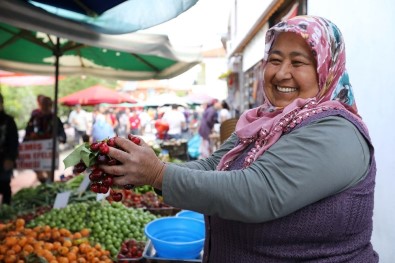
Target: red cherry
{"type": "Point", "coordinates": [95, 146]}
{"type": "Point", "coordinates": [104, 148]}
{"type": "Point", "coordinates": [94, 178]}
{"type": "Point", "coordinates": [116, 196]}
{"type": "Point", "coordinates": [107, 181]}
{"type": "Point", "coordinates": [104, 189]}
{"type": "Point", "coordinates": [98, 172]}
{"type": "Point", "coordinates": [79, 168]}
{"type": "Point", "coordinates": [95, 187]}
{"type": "Point", "coordinates": [111, 142]}
{"type": "Point", "coordinates": [136, 140]}
{"type": "Point", "coordinates": [102, 158]}
{"type": "Point", "coordinates": [112, 162]}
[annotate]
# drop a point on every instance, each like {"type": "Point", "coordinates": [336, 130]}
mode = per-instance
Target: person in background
{"type": "Point", "coordinates": [102, 128]}
{"type": "Point", "coordinates": [207, 122]}
{"type": "Point", "coordinates": [40, 127]}
{"type": "Point", "coordinates": [145, 120]}
{"type": "Point", "coordinates": [295, 182]}
{"type": "Point", "coordinates": [112, 118]}
{"type": "Point", "coordinates": [134, 121]}
{"type": "Point", "coordinates": [224, 113]}
{"type": "Point", "coordinates": [176, 120]}
{"type": "Point", "coordinates": [9, 144]}
{"type": "Point", "coordinates": [123, 122]}
{"type": "Point", "coordinates": [39, 99]}
{"type": "Point", "coordinates": [79, 120]}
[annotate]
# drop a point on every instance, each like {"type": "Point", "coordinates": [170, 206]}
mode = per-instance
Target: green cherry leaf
{"type": "Point", "coordinates": [74, 157]}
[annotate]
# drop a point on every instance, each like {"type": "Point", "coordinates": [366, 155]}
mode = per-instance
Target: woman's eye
{"type": "Point", "coordinates": [297, 63]}
{"type": "Point", "coordinates": [275, 61]}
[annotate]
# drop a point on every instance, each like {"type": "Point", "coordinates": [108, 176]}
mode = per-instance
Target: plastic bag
{"type": "Point", "coordinates": [194, 145]}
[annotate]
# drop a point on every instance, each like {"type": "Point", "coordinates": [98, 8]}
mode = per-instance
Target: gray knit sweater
{"type": "Point", "coordinates": [328, 219]}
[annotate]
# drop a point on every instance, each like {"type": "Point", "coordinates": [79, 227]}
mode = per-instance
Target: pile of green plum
{"type": "Point", "coordinates": [110, 224]}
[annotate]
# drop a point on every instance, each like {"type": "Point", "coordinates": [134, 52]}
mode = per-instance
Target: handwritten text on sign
{"type": "Point", "coordinates": [36, 155]}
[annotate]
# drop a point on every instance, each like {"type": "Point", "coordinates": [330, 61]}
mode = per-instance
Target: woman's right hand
{"type": "Point", "coordinates": [139, 164]}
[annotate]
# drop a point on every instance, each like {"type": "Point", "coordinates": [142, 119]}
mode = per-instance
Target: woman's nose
{"type": "Point", "coordinates": [284, 71]}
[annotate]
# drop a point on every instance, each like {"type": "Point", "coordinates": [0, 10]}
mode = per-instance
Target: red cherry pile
{"type": "Point", "coordinates": [102, 182]}
{"type": "Point", "coordinates": [131, 249]}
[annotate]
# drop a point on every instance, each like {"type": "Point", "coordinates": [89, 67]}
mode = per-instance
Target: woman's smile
{"type": "Point", "coordinates": [285, 89]}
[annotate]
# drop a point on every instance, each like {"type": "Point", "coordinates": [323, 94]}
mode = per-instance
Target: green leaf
{"type": "Point", "coordinates": [88, 157]}
{"type": "Point", "coordinates": [75, 156]}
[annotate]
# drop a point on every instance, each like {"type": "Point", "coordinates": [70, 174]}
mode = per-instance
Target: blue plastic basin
{"type": "Point", "coordinates": [176, 237]}
{"type": "Point", "coordinates": [190, 214]}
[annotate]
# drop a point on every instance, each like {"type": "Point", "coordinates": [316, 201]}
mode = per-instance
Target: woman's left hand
{"type": "Point", "coordinates": [139, 164]}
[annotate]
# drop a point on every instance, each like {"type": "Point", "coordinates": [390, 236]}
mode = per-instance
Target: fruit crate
{"type": "Point", "coordinates": [164, 211]}
{"type": "Point", "coordinates": [177, 149]}
{"type": "Point", "coordinates": [128, 246]}
{"type": "Point", "coordinates": [132, 260]}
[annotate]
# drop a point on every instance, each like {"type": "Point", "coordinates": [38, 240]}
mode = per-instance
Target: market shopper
{"type": "Point", "coordinates": [176, 120]}
{"type": "Point", "coordinates": [206, 125]}
{"type": "Point", "coordinates": [40, 127]}
{"type": "Point", "coordinates": [8, 152]}
{"type": "Point", "coordinates": [79, 120]}
{"type": "Point", "coordinates": [295, 182]}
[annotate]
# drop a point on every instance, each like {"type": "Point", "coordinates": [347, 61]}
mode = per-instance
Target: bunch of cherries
{"type": "Point", "coordinates": [131, 249]}
{"type": "Point", "coordinates": [102, 182]}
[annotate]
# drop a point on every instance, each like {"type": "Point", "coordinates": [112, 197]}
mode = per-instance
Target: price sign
{"type": "Point", "coordinates": [62, 199]}
{"type": "Point", "coordinates": [37, 155]}
{"type": "Point", "coordinates": [100, 197]}
{"type": "Point", "coordinates": [84, 184]}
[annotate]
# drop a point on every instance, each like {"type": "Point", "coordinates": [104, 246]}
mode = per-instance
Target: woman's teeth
{"type": "Point", "coordinates": [285, 90]}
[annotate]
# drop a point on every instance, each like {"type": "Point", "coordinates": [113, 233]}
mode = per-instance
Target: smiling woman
{"type": "Point", "coordinates": [295, 181]}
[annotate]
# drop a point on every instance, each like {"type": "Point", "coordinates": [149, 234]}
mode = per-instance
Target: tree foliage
{"type": "Point", "coordinates": [20, 101]}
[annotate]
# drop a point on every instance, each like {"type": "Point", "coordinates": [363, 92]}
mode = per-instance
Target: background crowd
{"type": "Point", "coordinates": [166, 123]}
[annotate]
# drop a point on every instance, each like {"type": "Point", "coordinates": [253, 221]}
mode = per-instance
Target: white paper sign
{"type": "Point", "coordinates": [37, 155]}
{"type": "Point", "coordinates": [84, 184]}
{"type": "Point", "coordinates": [62, 199]}
{"type": "Point", "coordinates": [100, 197]}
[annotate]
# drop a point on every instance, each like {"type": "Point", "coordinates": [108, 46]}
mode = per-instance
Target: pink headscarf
{"type": "Point", "coordinates": [264, 125]}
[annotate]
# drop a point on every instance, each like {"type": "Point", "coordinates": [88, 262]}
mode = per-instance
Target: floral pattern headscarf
{"type": "Point", "coordinates": [264, 125]}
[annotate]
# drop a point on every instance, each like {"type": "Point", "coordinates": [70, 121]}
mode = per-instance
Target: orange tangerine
{"type": "Point", "coordinates": [3, 249]}
{"type": "Point", "coordinates": [28, 248]}
{"type": "Point", "coordinates": [10, 259]}
{"type": "Point", "coordinates": [17, 248]}
{"type": "Point", "coordinates": [10, 241]}
{"type": "Point", "coordinates": [63, 260]}
{"type": "Point", "coordinates": [85, 232]}
{"type": "Point", "coordinates": [22, 241]}
{"type": "Point", "coordinates": [71, 256]}
{"type": "Point", "coordinates": [77, 235]}
{"type": "Point", "coordinates": [67, 243]}
{"type": "Point", "coordinates": [63, 251]}
{"type": "Point", "coordinates": [56, 245]}
{"type": "Point", "coordinates": [48, 245]}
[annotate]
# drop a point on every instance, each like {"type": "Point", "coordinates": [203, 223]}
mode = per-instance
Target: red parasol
{"type": "Point", "coordinates": [95, 95]}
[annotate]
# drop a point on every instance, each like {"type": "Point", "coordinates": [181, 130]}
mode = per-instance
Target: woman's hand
{"type": "Point", "coordinates": [139, 164]}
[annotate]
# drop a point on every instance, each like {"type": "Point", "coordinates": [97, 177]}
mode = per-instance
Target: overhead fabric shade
{"type": "Point", "coordinates": [109, 16]}
{"type": "Point", "coordinates": [140, 56]}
